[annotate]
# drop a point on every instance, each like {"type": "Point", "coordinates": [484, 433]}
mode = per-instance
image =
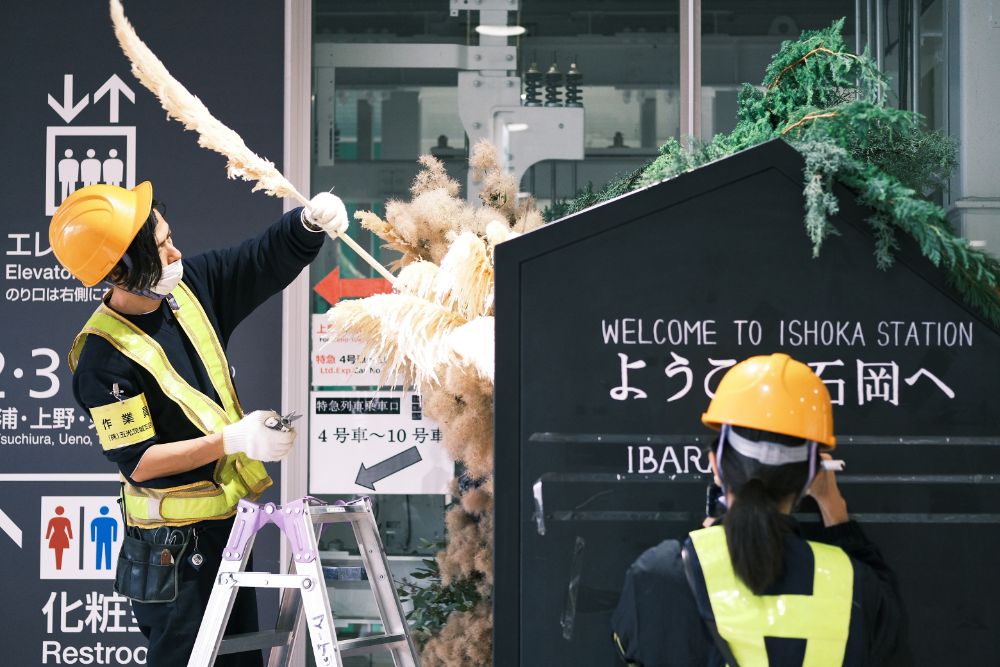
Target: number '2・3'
{"type": "Point", "coordinates": [48, 373]}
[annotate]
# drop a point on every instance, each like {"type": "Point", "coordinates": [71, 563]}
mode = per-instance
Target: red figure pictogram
{"type": "Point", "coordinates": [59, 533]}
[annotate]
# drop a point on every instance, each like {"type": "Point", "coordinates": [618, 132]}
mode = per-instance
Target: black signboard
{"type": "Point", "coordinates": [73, 115]}
{"type": "Point", "coordinates": [615, 325]}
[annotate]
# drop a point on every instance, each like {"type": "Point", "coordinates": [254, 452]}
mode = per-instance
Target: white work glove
{"type": "Point", "coordinates": [251, 436]}
{"type": "Point", "coordinates": [326, 211]}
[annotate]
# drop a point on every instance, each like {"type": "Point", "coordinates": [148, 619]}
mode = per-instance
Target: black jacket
{"type": "Point", "coordinates": [658, 621]}
{"type": "Point", "coordinates": [229, 284]}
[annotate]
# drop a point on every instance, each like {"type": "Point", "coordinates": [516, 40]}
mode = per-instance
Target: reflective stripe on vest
{"type": "Point", "coordinates": [744, 619]}
{"type": "Point", "coordinates": [235, 476]}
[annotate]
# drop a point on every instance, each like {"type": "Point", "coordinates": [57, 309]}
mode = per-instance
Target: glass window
{"type": "Point", "coordinates": [369, 126]}
{"type": "Point", "coordinates": [932, 99]}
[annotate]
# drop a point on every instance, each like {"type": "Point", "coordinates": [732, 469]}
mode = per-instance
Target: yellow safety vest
{"type": "Point", "coordinates": [236, 476]}
{"type": "Point", "coordinates": [744, 619]}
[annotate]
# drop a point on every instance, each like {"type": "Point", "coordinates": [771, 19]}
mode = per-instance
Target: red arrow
{"type": "Point", "coordinates": [333, 288]}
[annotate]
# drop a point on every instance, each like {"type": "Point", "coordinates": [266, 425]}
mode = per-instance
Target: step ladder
{"type": "Point", "coordinates": [304, 592]}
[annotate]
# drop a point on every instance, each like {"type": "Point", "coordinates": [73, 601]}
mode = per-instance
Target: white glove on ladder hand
{"type": "Point", "coordinates": [250, 436]}
{"type": "Point", "coordinates": [327, 211]}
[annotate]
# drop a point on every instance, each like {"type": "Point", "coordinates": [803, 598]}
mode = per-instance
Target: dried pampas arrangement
{"type": "Point", "coordinates": [408, 332]}
{"type": "Point", "coordinates": [465, 641]}
{"type": "Point", "coordinates": [425, 227]}
{"type": "Point", "coordinates": [438, 330]}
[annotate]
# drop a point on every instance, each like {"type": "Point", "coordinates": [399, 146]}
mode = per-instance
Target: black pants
{"type": "Point", "coordinates": [172, 627]}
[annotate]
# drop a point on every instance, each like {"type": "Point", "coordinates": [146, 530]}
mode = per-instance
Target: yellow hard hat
{"type": "Point", "coordinates": [95, 225]}
{"type": "Point", "coordinates": [774, 393]}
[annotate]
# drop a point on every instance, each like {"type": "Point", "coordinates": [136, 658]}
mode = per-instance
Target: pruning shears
{"type": "Point", "coordinates": [281, 422]}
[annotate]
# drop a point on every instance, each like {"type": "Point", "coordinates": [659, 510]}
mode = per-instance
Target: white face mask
{"type": "Point", "coordinates": [169, 277]}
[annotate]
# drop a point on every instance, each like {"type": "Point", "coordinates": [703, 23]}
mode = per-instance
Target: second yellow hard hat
{"type": "Point", "coordinates": [774, 393]}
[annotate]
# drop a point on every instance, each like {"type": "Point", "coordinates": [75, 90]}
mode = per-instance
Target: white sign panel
{"type": "Point", "coordinates": [375, 442]}
{"type": "Point", "coordinates": [80, 537]}
{"type": "Point", "coordinates": [339, 362]}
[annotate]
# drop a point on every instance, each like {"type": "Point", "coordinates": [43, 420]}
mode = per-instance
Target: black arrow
{"type": "Point", "coordinates": [368, 476]}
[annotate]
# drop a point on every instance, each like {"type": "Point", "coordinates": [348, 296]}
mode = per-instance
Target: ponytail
{"type": "Point", "coordinates": [755, 527]}
{"type": "Point", "coordinates": [755, 533]}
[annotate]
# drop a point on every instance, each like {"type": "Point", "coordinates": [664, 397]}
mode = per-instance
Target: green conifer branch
{"type": "Point", "coordinates": [829, 104]}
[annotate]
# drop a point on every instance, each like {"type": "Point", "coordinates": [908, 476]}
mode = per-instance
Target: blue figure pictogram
{"type": "Point", "coordinates": [104, 531]}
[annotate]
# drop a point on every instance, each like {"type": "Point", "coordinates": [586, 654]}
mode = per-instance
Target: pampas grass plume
{"type": "Point", "coordinates": [181, 105]}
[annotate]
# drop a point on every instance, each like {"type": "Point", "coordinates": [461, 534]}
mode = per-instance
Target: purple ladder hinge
{"type": "Point", "coordinates": [251, 517]}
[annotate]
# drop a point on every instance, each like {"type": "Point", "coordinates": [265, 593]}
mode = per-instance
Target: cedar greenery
{"type": "Point", "coordinates": [829, 104]}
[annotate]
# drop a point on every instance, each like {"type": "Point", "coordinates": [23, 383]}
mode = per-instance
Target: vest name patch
{"type": "Point", "coordinates": [123, 423]}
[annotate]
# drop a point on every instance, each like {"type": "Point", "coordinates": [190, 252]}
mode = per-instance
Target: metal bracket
{"type": "Point", "coordinates": [528, 135]}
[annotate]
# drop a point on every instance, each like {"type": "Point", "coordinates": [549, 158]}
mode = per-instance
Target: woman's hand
{"type": "Point", "coordinates": [826, 493]}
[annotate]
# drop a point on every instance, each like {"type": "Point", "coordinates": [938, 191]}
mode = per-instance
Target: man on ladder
{"type": "Point", "coordinates": [150, 367]}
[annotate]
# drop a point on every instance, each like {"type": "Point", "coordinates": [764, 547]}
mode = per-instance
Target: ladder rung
{"type": "Point", "coordinates": [268, 580]}
{"type": "Point", "coordinates": [253, 641]}
{"type": "Point", "coordinates": [364, 645]}
{"type": "Point", "coordinates": [337, 513]}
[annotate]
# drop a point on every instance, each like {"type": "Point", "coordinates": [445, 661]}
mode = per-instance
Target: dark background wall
{"type": "Point", "coordinates": [230, 54]}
